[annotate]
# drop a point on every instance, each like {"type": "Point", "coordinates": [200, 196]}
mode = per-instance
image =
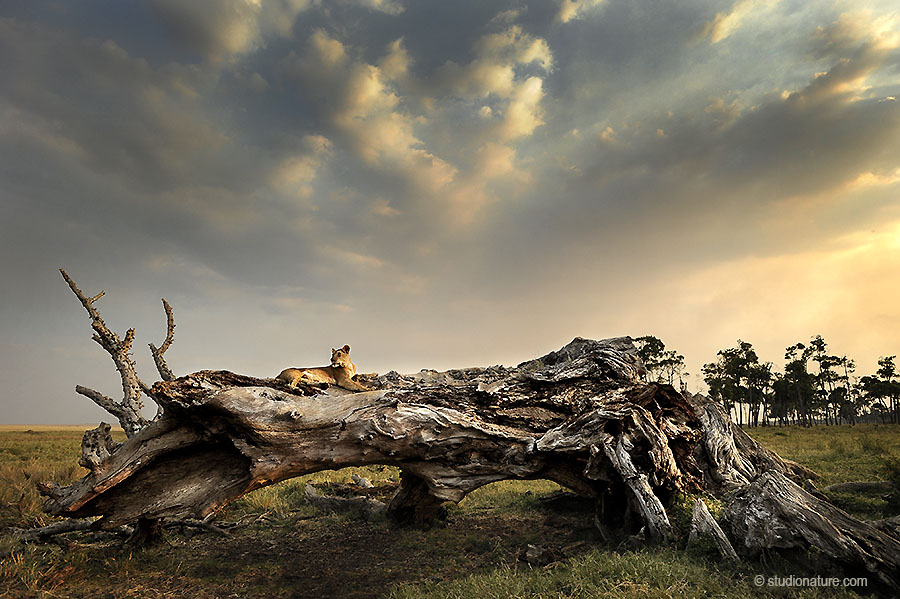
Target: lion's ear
{"type": "Point", "coordinates": [333, 351]}
{"type": "Point", "coordinates": [346, 348]}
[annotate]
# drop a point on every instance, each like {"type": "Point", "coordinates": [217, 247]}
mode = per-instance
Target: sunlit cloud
{"type": "Point", "coordinates": [573, 9]}
{"type": "Point", "coordinates": [725, 24]}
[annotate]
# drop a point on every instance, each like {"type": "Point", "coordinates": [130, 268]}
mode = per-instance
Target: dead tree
{"type": "Point", "coordinates": [580, 416]}
{"type": "Point", "coordinates": [97, 444]}
{"type": "Point", "coordinates": [127, 411]}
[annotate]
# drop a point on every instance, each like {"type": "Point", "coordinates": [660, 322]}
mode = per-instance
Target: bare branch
{"type": "Point", "coordinates": [198, 524]}
{"type": "Point", "coordinates": [128, 411]}
{"type": "Point", "coordinates": [101, 400]}
{"type": "Point", "coordinates": [369, 507]}
{"type": "Point", "coordinates": [44, 532]}
{"type": "Point", "coordinates": [161, 365]}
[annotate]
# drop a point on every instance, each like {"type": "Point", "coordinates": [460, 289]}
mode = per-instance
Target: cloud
{"type": "Point", "coordinates": [216, 29]}
{"type": "Point", "coordinates": [385, 115]}
{"type": "Point", "coordinates": [573, 9]}
{"type": "Point", "coordinates": [391, 7]}
{"type": "Point", "coordinates": [221, 30]}
{"type": "Point", "coordinates": [395, 64]}
{"type": "Point", "coordinates": [498, 176]}
{"type": "Point", "coordinates": [725, 24]}
{"type": "Point", "coordinates": [294, 173]}
{"type": "Point", "coordinates": [119, 115]}
{"type": "Point", "coordinates": [493, 71]}
{"type": "Point", "coordinates": [800, 142]}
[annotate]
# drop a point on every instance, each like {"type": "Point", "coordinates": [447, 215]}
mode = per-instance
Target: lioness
{"type": "Point", "coordinates": [340, 372]}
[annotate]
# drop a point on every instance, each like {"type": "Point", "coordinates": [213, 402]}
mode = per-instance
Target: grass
{"type": "Point", "coordinates": [285, 547]}
{"type": "Point", "coordinates": [839, 454]}
{"type": "Point", "coordinates": [32, 454]}
{"type": "Point", "coordinates": [647, 574]}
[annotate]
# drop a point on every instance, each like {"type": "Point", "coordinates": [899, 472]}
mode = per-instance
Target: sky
{"type": "Point", "coordinates": [440, 184]}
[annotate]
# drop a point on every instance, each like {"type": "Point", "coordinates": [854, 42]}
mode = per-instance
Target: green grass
{"type": "Point", "coordinates": [840, 454]}
{"type": "Point", "coordinates": [837, 453]}
{"type": "Point", "coordinates": [508, 496]}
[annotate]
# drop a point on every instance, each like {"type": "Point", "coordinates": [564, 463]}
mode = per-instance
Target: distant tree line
{"type": "Point", "coordinates": [816, 387]}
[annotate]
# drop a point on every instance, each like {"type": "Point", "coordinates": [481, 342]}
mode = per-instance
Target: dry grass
{"type": "Point", "coordinates": [29, 455]}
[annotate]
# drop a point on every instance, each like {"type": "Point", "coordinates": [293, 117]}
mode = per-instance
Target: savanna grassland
{"type": "Point", "coordinates": [279, 545]}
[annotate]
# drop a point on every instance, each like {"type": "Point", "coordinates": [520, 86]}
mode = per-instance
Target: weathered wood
{"type": "Point", "coordinates": [96, 447]}
{"type": "Point", "coordinates": [224, 434]}
{"type": "Point", "coordinates": [61, 527]}
{"type": "Point", "coordinates": [157, 352]}
{"type": "Point", "coordinates": [775, 514]}
{"type": "Point", "coordinates": [649, 505]}
{"type": "Point", "coordinates": [147, 531]}
{"type": "Point", "coordinates": [364, 505]}
{"type": "Point", "coordinates": [127, 411]}
{"type": "Point", "coordinates": [861, 486]}
{"type": "Point", "coordinates": [414, 503]}
{"type": "Point", "coordinates": [704, 525]}
{"type": "Point", "coordinates": [729, 457]}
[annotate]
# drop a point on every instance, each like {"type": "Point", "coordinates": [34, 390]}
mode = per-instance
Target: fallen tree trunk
{"type": "Point", "coordinates": [861, 486]}
{"type": "Point", "coordinates": [774, 513]}
{"type": "Point", "coordinates": [580, 416]}
{"type": "Point", "coordinates": [222, 435]}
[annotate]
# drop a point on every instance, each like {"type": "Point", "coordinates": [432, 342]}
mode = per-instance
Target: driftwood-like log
{"type": "Point", "coordinates": [861, 486]}
{"type": "Point", "coordinates": [61, 527]}
{"type": "Point", "coordinates": [704, 525]}
{"type": "Point", "coordinates": [775, 513]}
{"type": "Point", "coordinates": [580, 416]}
{"type": "Point", "coordinates": [223, 435]}
{"type": "Point", "coordinates": [367, 507]}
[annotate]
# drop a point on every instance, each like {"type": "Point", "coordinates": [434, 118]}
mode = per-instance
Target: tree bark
{"type": "Point", "coordinates": [580, 416]}
{"type": "Point", "coordinates": [775, 514]}
{"type": "Point", "coordinates": [704, 525]}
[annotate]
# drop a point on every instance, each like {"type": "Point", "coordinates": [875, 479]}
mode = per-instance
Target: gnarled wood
{"type": "Point", "coordinates": [774, 513]}
{"type": "Point", "coordinates": [96, 447]}
{"type": "Point", "coordinates": [223, 435]}
{"type": "Point", "coordinates": [704, 525]}
{"type": "Point", "coordinates": [127, 411]}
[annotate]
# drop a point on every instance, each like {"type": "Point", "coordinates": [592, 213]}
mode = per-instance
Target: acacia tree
{"type": "Point", "coordinates": [759, 382]}
{"type": "Point", "coordinates": [883, 390]}
{"type": "Point", "coordinates": [783, 407]}
{"type": "Point", "coordinates": [663, 366]}
{"type": "Point", "coordinates": [848, 402]}
{"type": "Point", "coordinates": [738, 377]}
{"type": "Point", "coordinates": [826, 379]}
{"type": "Point", "coordinates": [797, 377]}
